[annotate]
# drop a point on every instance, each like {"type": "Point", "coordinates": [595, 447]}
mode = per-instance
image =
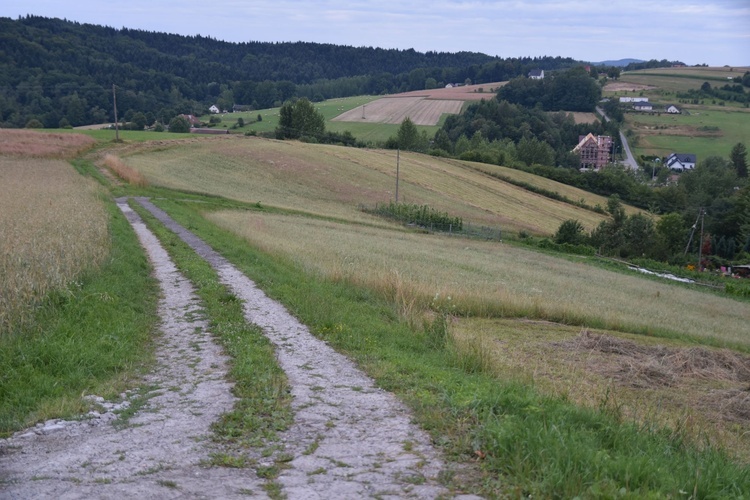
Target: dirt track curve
{"type": "Point", "coordinates": [349, 439]}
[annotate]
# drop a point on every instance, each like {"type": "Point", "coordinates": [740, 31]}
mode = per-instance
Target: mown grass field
{"type": "Point", "coordinates": [702, 132]}
{"type": "Point", "coordinates": [334, 181]}
{"type": "Point", "coordinates": [373, 131]}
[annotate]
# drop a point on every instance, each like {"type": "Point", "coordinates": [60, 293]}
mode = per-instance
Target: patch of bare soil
{"type": "Point", "coordinates": [647, 367]}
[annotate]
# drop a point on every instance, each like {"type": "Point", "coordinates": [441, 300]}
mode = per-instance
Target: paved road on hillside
{"type": "Point", "coordinates": [629, 158]}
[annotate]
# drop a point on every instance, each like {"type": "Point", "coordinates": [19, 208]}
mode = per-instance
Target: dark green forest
{"type": "Point", "coordinates": [53, 70]}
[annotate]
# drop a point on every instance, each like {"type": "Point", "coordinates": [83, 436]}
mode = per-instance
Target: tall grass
{"type": "Point", "coordinates": [487, 279]}
{"type": "Point", "coordinates": [125, 172]}
{"type": "Point", "coordinates": [53, 227]}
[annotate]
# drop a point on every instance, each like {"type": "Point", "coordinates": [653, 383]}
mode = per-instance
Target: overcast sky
{"type": "Point", "coordinates": [715, 32]}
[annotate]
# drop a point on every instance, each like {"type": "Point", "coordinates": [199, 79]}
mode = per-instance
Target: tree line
{"type": "Point", "coordinates": [53, 69]}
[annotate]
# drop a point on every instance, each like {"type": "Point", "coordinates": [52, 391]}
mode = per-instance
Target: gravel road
{"type": "Point", "coordinates": [349, 439]}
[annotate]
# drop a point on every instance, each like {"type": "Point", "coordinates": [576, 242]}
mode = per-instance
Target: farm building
{"type": "Point", "coordinates": [536, 74]}
{"type": "Point", "coordinates": [643, 106]}
{"type": "Point", "coordinates": [633, 99]}
{"type": "Point", "coordinates": [680, 161]}
{"type": "Point", "coordinates": [594, 150]}
{"type": "Point", "coordinates": [672, 109]}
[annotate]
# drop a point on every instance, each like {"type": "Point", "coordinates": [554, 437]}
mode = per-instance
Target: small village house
{"type": "Point", "coordinates": [672, 109]}
{"type": "Point", "coordinates": [643, 106]}
{"type": "Point", "coordinates": [214, 109]}
{"type": "Point", "coordinates": [633, 99]}
{"type": "Point", "coordinates": [680, 161]}
{"type": "Point", "coordinates": [536, 74]}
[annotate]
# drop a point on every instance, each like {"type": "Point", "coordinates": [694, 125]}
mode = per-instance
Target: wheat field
{"type": "Point", "coordinates": [54, 226]}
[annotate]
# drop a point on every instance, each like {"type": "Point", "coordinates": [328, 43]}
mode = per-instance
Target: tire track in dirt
{"type": "Point", "coordinates": [161, 451]}
{"type": "Point", "coordinates": [349, 438]}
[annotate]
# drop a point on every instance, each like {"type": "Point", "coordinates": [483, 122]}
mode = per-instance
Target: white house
{"type": "Point", "coordinates": [536, 74]}
{"type": "Point", "coordinates": [633, 99]}
{"type": "Point", "coordinates": [673, 109]}
{"type": "Point", "coordinates": [643, 106]}
{"type": "Point", "coordinates": [680, 161]}
{"type": "Point", "coordinates": [213, 109]}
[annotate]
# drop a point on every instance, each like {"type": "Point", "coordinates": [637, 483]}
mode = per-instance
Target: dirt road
{"type": "Point", "coordinates": [349, 439]}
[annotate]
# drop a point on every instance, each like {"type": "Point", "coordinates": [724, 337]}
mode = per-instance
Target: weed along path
{"type": "Point", "coordinates": [349, 438]}
{"type": "Point", "coordinates": [160, 451]}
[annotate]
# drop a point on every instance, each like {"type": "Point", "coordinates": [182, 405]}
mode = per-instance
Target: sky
{"type": "Point", "coordinates": [713, 32]}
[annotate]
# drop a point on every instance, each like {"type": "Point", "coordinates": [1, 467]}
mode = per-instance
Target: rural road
{"type": "Point", "coordinates": [629, 158]}
{"type": "Point", "coordinates": [349, 439]}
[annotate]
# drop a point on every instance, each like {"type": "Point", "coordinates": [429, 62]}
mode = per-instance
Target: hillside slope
{"type": "Point", "coordinates": [334, 181]}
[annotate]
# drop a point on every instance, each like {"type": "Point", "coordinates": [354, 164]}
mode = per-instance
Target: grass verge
{"type": "Point", "coordinates": [87, 339]}
{"type": "Point", "coordinates": [515, 440]}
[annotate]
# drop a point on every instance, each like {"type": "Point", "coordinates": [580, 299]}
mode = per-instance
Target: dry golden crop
{"type": "Point", "coordinates": [29, 143]}
{"type": "Point", "coordinates": [125, 172]}
{"type": "Point", "coordinates": [53, 226]}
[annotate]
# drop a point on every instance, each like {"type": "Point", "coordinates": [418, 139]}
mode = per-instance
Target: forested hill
{"type": "Point", "coordinates": [52, 69]}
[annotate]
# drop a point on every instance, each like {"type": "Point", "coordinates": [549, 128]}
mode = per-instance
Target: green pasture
{"type": "Point", "coordinates": [373, 133]}
{"type": "Point", "coordinates": [724, 129]}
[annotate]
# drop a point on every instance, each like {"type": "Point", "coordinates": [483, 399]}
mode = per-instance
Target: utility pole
{"type": "Point", "coordinates": [700, 246]}
{"type": "Point", "coordinates": [117, 125]}
{"type": "Point", "coordinates": [398, 161]}
{"type": "Point", "coordinates": [692, 231]}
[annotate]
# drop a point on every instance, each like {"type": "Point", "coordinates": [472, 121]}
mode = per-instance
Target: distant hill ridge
{"type": "Point", "coordinates": [620, 63]}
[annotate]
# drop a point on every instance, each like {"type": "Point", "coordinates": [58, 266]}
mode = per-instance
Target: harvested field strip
{"type": "Point", "coordinates": [697, 391]}
{"type": "Point", "coordinates": [420, 110]}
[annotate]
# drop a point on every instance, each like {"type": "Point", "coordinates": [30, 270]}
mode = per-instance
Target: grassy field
{"type": "Point", "coordinates": [457, 328]}
{"type": "Point", "coordinates": [489, 279]}
{"type": "Point", "coordinates": [702, 132]}
{"type": "Point", "coordinates": [682, 79]}
{"type": "Point", "coordinates": [330, 109]}
{"type": "Point", "coordinates": [334, 181]}
{"type": "Point", "coordinates": [515, 438]}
